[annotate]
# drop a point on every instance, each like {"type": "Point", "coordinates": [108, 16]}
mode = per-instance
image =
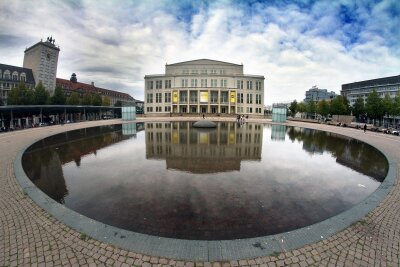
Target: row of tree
{"type": "Point", "coordinates": [374, 107]}
{"type": "Point", "coordinates": [22, 95]}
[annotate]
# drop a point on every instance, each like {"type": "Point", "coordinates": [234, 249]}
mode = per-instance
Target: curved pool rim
{"type": "Point", "coordinates": [203, 250]}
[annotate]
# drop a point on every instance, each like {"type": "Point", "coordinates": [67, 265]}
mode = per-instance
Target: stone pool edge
{"type": "Point", "coordinates": [193, 250]}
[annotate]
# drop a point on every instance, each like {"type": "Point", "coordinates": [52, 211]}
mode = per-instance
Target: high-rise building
{"type": "Point", "coordinates": [315, 94]}
{"type": "Point", "coordinates": [42, 58]}
{"type": "Point", "coordinates": [204, 86]}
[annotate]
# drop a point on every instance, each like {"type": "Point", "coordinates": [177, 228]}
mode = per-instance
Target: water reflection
{"type": "Point", "coordinates": [204, 150]}
{"type": "Point", "coordinates": [232, 182]}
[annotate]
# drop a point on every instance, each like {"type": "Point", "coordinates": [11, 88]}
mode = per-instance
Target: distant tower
{"type": "Point", "coordinates": [42, 58]}
{"type": "Point", "coordinates": [73, 78]}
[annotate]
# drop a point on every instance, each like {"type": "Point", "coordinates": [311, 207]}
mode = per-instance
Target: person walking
{"type": "Point", "coordinates": [203, 116]}
{"type": "Point", "coordinates": [365, 127]}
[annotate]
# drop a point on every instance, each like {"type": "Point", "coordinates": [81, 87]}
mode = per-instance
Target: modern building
{"type": "Point", "coordinates": [72, 85]}
{"type": "Point", "coordinates": [42, 59]}
{"type": "Point", "coordinates": [315, 94]}
{"type": "Point", "coordinates": [204, 86]}
{"type": "Point", "coordinates": [10, 76]}
{"type": "Point", "coordinates": [387, 85]}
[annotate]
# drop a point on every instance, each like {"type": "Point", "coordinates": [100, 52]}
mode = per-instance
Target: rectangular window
{"type": "Point", "coordinates": [167, 83]}
{"type": "Point", "coordinates": [240, 98]}
{"type": "Point", "coordinates": [184, 83]}
{"type": "Point", "coordinates": [214, 83]}
{"type": "Point", "coordinates": [239, 84]}
{"type": "Point", "coordinates": [193, 83]}
{"type": "Point", "coordinates": [167, 97]}
{"type": "Point", "coordinates": [258, 85]}
{"type": "Point", "coordinates": [249, 85]}
{"type": "Point", "coordinates": [158, 84]}
{"type": "Point", "coordinates": [158, 97]}
{"type": "Point", "coordinates": [249, 99]}
{"type": "Point", "coordinates": [150, 85]}
{"type": "Point", "coordinates": [149, 98]}
{"type": "Point", "coordinates": [203, 82]}
{"type": "Point", "coordinates": [223, 83]}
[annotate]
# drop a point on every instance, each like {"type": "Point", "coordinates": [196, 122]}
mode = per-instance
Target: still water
{"type": "Point", "coordinates": [236, 181]}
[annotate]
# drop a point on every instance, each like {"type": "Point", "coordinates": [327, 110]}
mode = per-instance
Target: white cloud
{"type": "Point", "coordinates": [117, 44]}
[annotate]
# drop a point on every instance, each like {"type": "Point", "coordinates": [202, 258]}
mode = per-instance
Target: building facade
{"type": "Point", "coordinates": [72, 85]}
{"type": "Point", "coordinates": [315, 94]}
{"type": "Point", "coordinates": [42, 59]}
{"type": "Point", "coordinates": [204, 86]}
{"type": "Point", "coordinates": [10, 76]}
{"type": "Point", "coordinates": [387, 85]}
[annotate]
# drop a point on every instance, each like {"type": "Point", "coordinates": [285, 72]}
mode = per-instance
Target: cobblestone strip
{"type": "Point", "coordinates": [30, 236]}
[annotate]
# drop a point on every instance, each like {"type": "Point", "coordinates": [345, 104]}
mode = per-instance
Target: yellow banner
{"type": "Point", "coordinates": [175, 97]}
{"type": "Point", "coordinates": [233, 97]}
{"type": "Point", "coordinates": [203, 97]}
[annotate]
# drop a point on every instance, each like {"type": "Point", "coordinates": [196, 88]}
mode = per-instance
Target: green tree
{"type": "Point", "coordinates": [339, 106]}
{"type": "Point", "coordinates": [20, 95]}
{"type": "Point", "coordinates": [293, 108]}
{"type": "Point", "coordinates": [59, 97]}
{"type": "Point", "coordinates": [396, 105]}
{"type": "Point", "coordinates": [374, 106]}
{"type": "Point", "coordinates": [387, 105]}
{"type": "Point", "coordinates": [41, 95]}
{"type": "Point", "coordinates": [14, 97]}
{"type": "Point", "coordinates": [87, 99]}
{"type": "Point", "coordinates": [118, 103]}
{"type": "Point", "coordinates": [301, 107]}
{"type": "Point", "coordinates": [323, 108]}
{"type": "Point", "coordinates": [359, 107]}
{"type": "Point", "coordinates": [311, 107]}
{"type": "Point", "coordinates": [73, 99]}
{"type": "Point", "coordinates": [106, 101]}
{"type": "Point", "coordinates": [96, 100]}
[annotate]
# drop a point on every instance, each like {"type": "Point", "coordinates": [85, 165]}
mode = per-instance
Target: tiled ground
{"type": "Point", "coordinates": [30, 236]}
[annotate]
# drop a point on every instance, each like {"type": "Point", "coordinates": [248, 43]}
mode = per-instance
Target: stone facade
{"type": "Point", "coordinates": [10, 76]}
{"type": "Point", "coordinates": [204, 86]}
{"type": "Point", "coordinates": [42, 58]}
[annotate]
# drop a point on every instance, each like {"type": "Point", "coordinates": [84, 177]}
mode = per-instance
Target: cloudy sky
{"type": "Point", "coordinates": [294, 44]}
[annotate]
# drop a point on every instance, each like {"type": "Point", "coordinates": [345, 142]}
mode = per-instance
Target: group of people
{"type": "Point", "coordinates": [240, 118]}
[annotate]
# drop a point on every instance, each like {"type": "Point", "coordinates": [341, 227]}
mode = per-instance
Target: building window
{"type": "Point", "coordinates": [150, 85]}
{"type": "Point", "coordinates": [193, 82]}
{"type": "Point", "coordinates": [167, 108]}
{"type": "Point", "coordinates": [213, 82]}
{"type": "Point", "coordinates": [167, 83]}
{"type": "Point", "coordinates": [214, 72]}
{"type": "Point", "coordinates": [184, 83]}
{"type": "Point", "coordinates": [149, 109]}
{"type": "Point", "coordinates": [149, 98]}
{"type": "Point", "coordinates": [249, 99]}
{"type": "Point", "coordinates": [158, 97]}
{"type": "Point", "coordinates": [159, 84]}
{"type": "Point", "coordinates": [203, 82]}
{"type": "Point", "coordinates": [258, 99]}
{"type": "Point", "coordinates": [223, 83]}
{"type": "Point", "coordinates": [203, 71]}
{"type": "Point", "coordinates": [239, 84]}
{"type": "Point", "coordinates": [15, 76]}
{"type": "Point", "coordinates": [240, 98]}
{"type": "Point", "coordinates": [258, 85]}
{"type": "Point", "coordinates": [249, 85]}
{"type": "Point", "coordinates": [6, 75]}
{"type": "Point", "coordinates": [167, 97]}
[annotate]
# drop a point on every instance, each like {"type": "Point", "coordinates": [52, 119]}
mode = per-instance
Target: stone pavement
{"type": "Point", "coordinates": [30, 236]}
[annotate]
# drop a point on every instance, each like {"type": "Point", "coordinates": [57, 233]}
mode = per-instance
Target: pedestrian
{"type": "Point", "coordinates": [203, 116]}
{"type": "Point", "coordinates": [365, 127]}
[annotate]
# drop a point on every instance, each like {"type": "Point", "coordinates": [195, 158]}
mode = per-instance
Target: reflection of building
{"type": "Point", "coordinates": [204, 86]}
{"type": "Point", "coordinates": [315, 94]}
{"type": "Point", "coordinates": [203, 151]}
{"type": "Point", "coordinates": [278, 132]}
{"type": "Point", "coordinates": [387, 85]}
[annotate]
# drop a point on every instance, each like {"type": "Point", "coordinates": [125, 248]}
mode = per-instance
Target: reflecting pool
{"type": "Point", "coordinates": [235, 181]}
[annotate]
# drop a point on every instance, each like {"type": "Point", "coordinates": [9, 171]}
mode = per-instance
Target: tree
{"type": "Point", "coordinates": [118, 103]}
{"type": "Point", "coordinates": [396, 105]}
{"type": "Point", "coordinates": [87, 99]}
{"type": "Point", "coordinates": [106, 101]}
{"type": "Point", "coordinates": [293, 108]}
{"type": "Point", "coordinates": [323, 108]}
{"type": "Point", "coordinates": [359, 107]}
{"type": "Point", "coordinates": [14, 97]}
{"type": "Point", "coordinates": [374, 106]}
{"type": "Point", "coordinates": [73, 99]}
{"type": "Point", "coordinates": [96, 100]}
{"type": "Point", "coordinates": [59, 97]}
{"type": "Point", "coordinates": [339, 106]}
{"type": "Point", "coordinates": [387, 105]}
{"type": "Point", "coordinates": [311, 108]}
{"type": "Point", "coordinates": [41, 96]}
{"type": "Point", "coordinates": [301, 107]}
{"type": "Point", "coordinates": [20, 95]}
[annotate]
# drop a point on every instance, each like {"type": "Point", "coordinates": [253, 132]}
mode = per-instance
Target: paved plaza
{"type": "Point", "coordinates": [30, 236]}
